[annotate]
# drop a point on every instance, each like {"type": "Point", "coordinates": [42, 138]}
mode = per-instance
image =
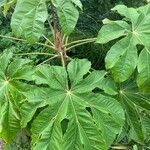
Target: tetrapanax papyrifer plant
{"type": "Point", "coordinates": [73, 106]}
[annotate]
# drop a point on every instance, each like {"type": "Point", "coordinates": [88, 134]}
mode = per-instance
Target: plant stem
{"type": "Point", "coordinates": [52, 29]}
{"type": "Point", "coordinates": [62, 59]}
{"type": "Point", "coordinates": [66, 42]}
{"type": "Point", "coordinates": [79, 41]}
{"type": "Point", "coordinates": [52, 44]}
{"type": "Point", "coordinates": [47, 60]}
{"type": "Point", "coordinates": [78, 44]}
{"type": "Point", "coordinates": [42, 44]}
{"type": "Point", "coordinates": [12, 38]}
{"type": "Point", "coordinates": [23, 40]}
{"type": "Point", "coordinates": [21, 54]}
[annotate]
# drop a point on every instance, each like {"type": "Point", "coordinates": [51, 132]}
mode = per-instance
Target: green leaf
{"type": "Point", "coordinates": [75, 73]}
{"type": "Point", "coordinates": [145, 9]}
{"type": "Point", "coordinates": [11, 93]}
{"type": "Point", "coordinates": [90, 82]}
{"type": "Point", "coordinates": [5, 60]}
{"type": "Point", "coordinates": [130, 90]}
{"type": "Point", "coordinates": [6, 5]}
{"type": "Point", "coordinates": [74, 117]}
{"type": "Point", "coordinates": [146, 126]}
{"type": "Point", "coordinates": [141, 31]}
{"type": "Point", "coordinates": [136, 131]}
{"type": "Point", "coordinates": [2, 2]}
{"type": "Point", "coordinates": [9, 121]}
{"type": "Point", "coordinates": [133, 101]}
{"type": "Point", "coordinates": [109, 86]}
{"type": "Point", "coordinates": [143, 79]}
{"type": "Point", "coordinates": [77, 3]}
{"type": "Point", "coordinates": [116, 51]}
{"type": "Point", "coordinates": [68, 14]}
{"type": "Point", "coordinates": [130, 13]}
{"type": "Point", "coordinates": [119, 59]}
{"type": "Point", "coordinates": [125, 67]}
{"type": "Point", "coordinates": [137, 32]}
{"type": "Point", "coordinates": [112, 30]}
{"type": "Point", "coordinates": [58, 74]}
{"type": "Point", "coordinates": [29, 108]}
{"type": "Point", "coordinates": [29, 20]}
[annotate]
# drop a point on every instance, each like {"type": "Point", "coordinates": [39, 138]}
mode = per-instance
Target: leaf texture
{"type": "Point", "coordinates": [74, 117]}
{"type": "Point", "coordinates": [29, 19]}
{"type": "Point", "coordinates": [122, 58]}
{"type": "Point", "coordinates": [11, 93]}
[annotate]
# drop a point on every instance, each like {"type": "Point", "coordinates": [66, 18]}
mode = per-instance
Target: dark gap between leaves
{"type": "Point", "coordinates": [64, 125]}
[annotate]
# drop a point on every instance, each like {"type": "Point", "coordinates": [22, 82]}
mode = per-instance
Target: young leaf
{"type": "Point", "coordinates": [68, 14]}
{"type": "Point", "coordinates": [29, 20]}
{"type": "Point", "coordinates": [90, 121]}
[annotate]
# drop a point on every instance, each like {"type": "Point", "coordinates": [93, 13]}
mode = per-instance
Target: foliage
{"type": "Point", "coordinates": [74, 106]}
{"type": "Point", "coordinates": [135, 33]}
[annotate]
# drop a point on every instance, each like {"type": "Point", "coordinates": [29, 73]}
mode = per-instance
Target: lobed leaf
{"type": "Point", "coordinates": [12, 74]}
{"type": "Point", "coordinates": [74, 117]}
{"type": "Point", "coordinates": [122, 58]}
{"type": "Point", "coordinates": [133, 101]}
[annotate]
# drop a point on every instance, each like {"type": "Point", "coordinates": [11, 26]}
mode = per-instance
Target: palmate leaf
{"type": "Point", "coordinates": [11, 89]}
{"type": "Point", "coordinates": [73, 117]}
{"type": "Point", "coordinates": [68, 13]}
{"type": "Point", "coordinates": [119, 57]}
{"type": "Point", "coordinates": [29, 19]}
{"type": "Point", "coordinates": [133, 101]}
